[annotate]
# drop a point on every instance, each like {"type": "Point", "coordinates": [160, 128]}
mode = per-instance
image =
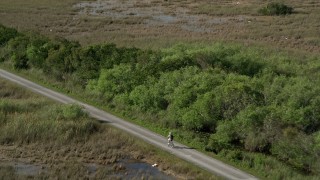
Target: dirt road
{"type": "Point", "coordinates": [180, 150]}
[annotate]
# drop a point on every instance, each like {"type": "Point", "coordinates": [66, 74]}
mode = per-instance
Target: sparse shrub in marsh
{"type": "Point", "coordinates": [275, 8]}
{"type": "Point", "coordinates": [76, 130]}
{"type": "Point", "coordinates": [68, 112]}
{"type": "Point", "coordinates": [73, 111]}
{"type": "Point", "coordinates": [7, 107]}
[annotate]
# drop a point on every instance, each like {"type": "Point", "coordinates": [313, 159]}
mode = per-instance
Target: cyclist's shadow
{"type": "Point", "coordinates": [182, 147]}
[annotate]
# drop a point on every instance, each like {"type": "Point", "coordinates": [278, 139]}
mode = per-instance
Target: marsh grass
{"type": "Point", "coordinates": [29, 128]}
{"type": "Point", "coordinates": [33, 118]}
{"type": "Point", "coordinates": [228, 9]}
{"type": "Point", "coordinates": [7, 172]}
{"type": "Point", "coordinates": [297, 32]}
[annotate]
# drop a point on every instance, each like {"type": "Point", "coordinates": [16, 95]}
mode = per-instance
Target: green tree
{"type": "Point", "coordinates": [37, 51]}
{"type": "Point", "coordinates": [235, 94]}
{"type": "Point", "coordinates": [62, 59]}
{"type": "Point", "coordinates": [120, 79]}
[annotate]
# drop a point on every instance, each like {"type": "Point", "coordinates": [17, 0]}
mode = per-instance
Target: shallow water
{"type": "Point", "coordinates": [24, 169]}
{"type": "Point", "coordinates": [27, 169]}
{"type": "Point", "coordinates": [132, 169]}
{"type": "Point", "coordinates": [154, 15]}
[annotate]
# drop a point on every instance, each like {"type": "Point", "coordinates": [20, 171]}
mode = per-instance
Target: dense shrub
{"type": "Point", "coordinates": [6, 34]}
{"type": "Point", "coordinates": [37, 51]}
{"type": "Point", "coordinates": [276, 9]}
{"type": "Point", "coordinates": [17, 47]}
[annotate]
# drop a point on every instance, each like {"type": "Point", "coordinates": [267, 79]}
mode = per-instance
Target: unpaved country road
{"type": "Point", "coordinates": [182, 151]}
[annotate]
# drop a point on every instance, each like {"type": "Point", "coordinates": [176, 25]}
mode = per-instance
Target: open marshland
{"type": "Point", "coordinates": [155, 24]}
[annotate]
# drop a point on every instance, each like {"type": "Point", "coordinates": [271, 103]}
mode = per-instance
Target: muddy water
{"type": "Point", "coordinates": [134, 168]}
{"type": "Point", "coordinates": [154, 14]}
{"type": "Point", "coordinates": [26, 169]}
{"type": "Point", "coordinates": [130, 169]}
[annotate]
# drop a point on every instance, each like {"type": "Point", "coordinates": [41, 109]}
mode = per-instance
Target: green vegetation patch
{"type": "Point", "coordinates": [6, 34]}
{"type": "Point", "coordinates": [276, 8]}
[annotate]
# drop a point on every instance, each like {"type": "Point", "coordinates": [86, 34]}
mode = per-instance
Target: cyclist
{"type": "Point", "coordinates": [170, 140]}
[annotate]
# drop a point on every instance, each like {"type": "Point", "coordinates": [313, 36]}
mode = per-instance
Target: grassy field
{"type": "Point", "coordinates": [49, 140]}
{"type": "Point", "coordinates": [154, 23]}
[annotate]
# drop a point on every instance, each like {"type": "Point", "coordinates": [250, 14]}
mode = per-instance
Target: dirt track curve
{"type": "Point", "coordinates": [212, 165]}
